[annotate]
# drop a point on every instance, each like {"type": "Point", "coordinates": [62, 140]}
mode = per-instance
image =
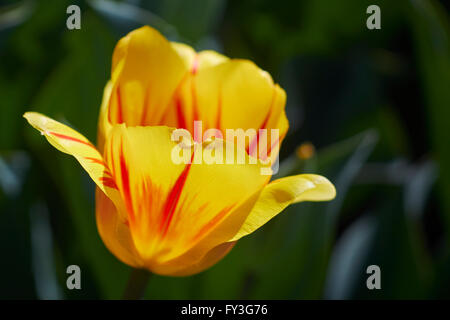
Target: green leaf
{"type": "Point", "coordinates": [429, 22]}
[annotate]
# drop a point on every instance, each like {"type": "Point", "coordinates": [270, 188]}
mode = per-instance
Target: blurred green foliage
{"type": "Point", "coordinates": [375, 103]}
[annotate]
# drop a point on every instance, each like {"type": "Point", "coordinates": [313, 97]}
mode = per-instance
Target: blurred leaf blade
{"type": "Point", "coordinates": [432, 39]}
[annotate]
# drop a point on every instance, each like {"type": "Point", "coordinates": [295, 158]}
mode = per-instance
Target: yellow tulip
{"type": "Point", "coordinates": [179, 219]}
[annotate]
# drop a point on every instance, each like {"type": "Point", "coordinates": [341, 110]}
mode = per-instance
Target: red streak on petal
{"type": "Point", "coordinates": [254, 143]}
{"type": "Point", "coordinates": [63, 136]}
{"type": "Point", "coordinates": [213, 222]}
{"type": "Point", "coordinates": [272, 146]}
{"type": "Point", "coordinates": [95, 160]}
{"type": "Point", "coordinates": [119, 106]}
{"type": "Point", "coordinates": [195, 65]}
{"type": "Point", "coordinates": [108, 182]}
{"type": "Point", "coordinates": [109, 157]}
{"type": "Point", "coordinates": [194, 99]}
{"type": "Point", "coordinates": [126, 183]}
{"type": "Point", "coordinates": [108, 175]}
{"type": "Point", "coordinates": [173, 198]}
{"type": "Point", "coordinates": [180, 116]}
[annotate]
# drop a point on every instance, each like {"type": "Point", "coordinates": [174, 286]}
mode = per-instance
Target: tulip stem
{"type": "Point", "coordinates": [137, 283]}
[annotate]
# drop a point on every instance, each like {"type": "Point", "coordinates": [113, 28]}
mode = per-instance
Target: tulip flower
{"type": "Point", "coordinates": [173, 218]}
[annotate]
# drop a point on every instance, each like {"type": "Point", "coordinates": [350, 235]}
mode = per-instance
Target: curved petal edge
{"type": "Point", "coordinates": [280, 193]}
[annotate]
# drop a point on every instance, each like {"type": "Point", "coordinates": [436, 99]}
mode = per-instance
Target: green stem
{"type": "Point", "coordinates": [136, 284]}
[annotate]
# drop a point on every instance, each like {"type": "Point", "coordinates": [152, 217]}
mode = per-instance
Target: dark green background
{"type": "Point", "coordinates": [375, 103]}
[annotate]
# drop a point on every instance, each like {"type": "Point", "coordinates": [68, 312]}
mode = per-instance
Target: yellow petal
{"type": "Point", "coordinates": [69, 141]}
{"type": "Point", "coordinates": [209, 259]}
{"type": "Point", "coordinates": [208, 58]}
{"type": "Point", "coordinates": [146, 70]}
{"type": "Point", "coordinates": [181, 113]}
{"type": "Point", "coordinates": [280, 193]}
{"type": "Point", "coordinates": [104, 126]}
{"type": "Point", "coordinates": [232, 94]}
{"type": "Point", "coordinates": [206, 248]}
{"type": "Point", "coordinates": [212, 194]}
{"type": "Point", "coordinates": [161, 83]}
{"type": "Point", "coordinates": [115, 231]}
{"type": "Point", "coordinates": [140, 161]}
{"type": "Point", "coordinates": [172, 207]}
{"type": "Point", "coordinates": [186, 53]}
{"type": "Point", "coordinates": [196, 62]}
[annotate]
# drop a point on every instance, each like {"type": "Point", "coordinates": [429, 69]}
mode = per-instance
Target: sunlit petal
{"type": "Point", "coordinates": [145, 72]}
{"type": "Point", "coordinates": [172, 207]}
{"type": "Point", "coordinates": [280, 193]}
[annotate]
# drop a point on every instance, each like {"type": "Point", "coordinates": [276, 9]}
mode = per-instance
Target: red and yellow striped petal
{"type": "Point", "coordinates": [69, 141]}
{"type": "Point", "coordinates": [173, 207]}
{"type": "Point", "coordinates": [146, 70]}
{"type": "Point", "coordinates": [181, 115]}
{"type": "Point", "coordinates": [140, 160]}
{"type": "Point", "coordinates": [280, 193]}
{"type": "Point", "coordinates": [156, 82]}
{"type": "Point", "coordinates": [210, 247]}
{"type": "Point", "coordinates": [231, 94]}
